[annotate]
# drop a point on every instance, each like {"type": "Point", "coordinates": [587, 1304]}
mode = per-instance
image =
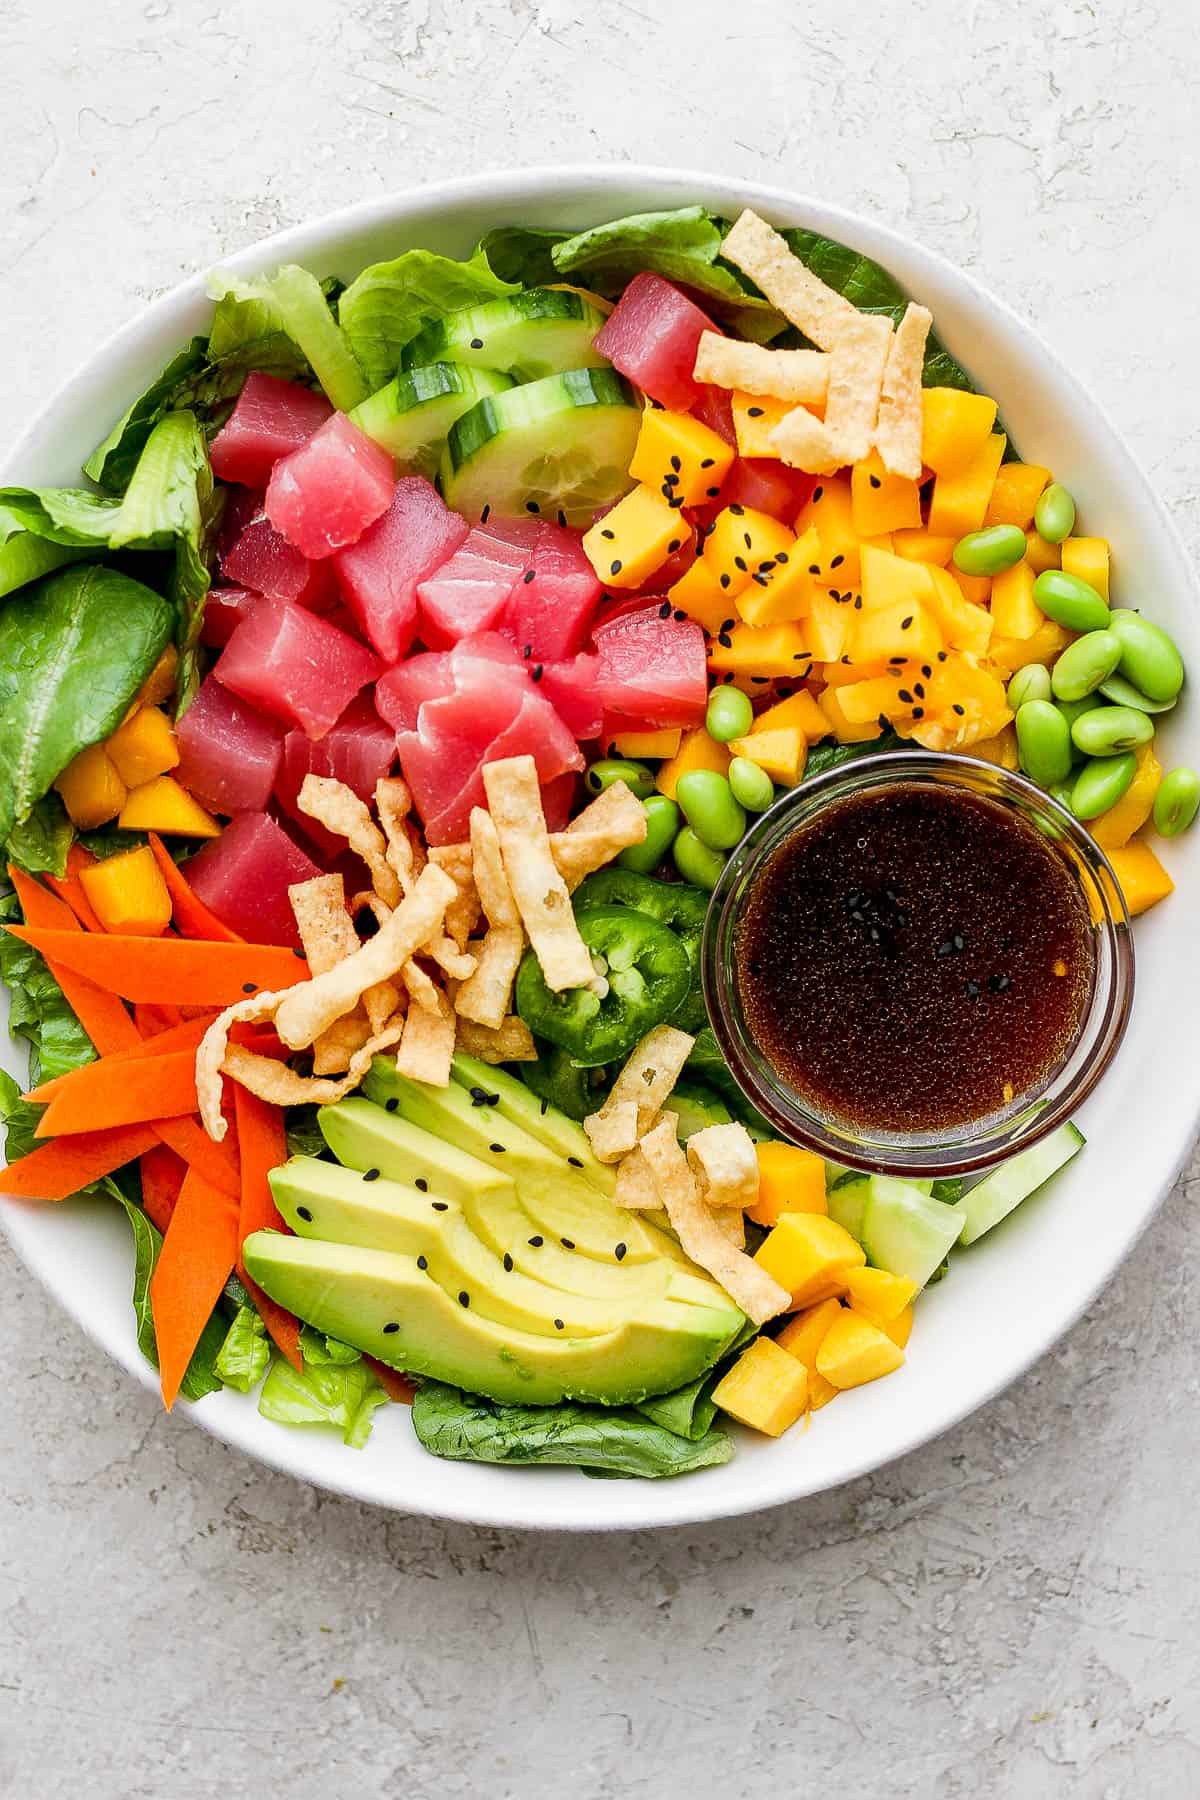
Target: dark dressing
{"type": "Point", "coordinates": [914, 959]}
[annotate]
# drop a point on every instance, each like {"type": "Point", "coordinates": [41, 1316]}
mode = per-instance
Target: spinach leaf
{"type": "Point", "coordinates": [72, 656]}
{"type": "Point", "coordinates": [38, 1009]}
{"type": "Point", "coordinates": [617, 1440]}
{"type": "Point", "coordinates": [385, 307]}
{"type": "Point", "coordinates": [110, 840]}
{"type": "Point", "coordinates": [688, 1412]}
{"type": "Point", "coordinates": [24, 556]}
{"type": "Point", "coordinates": [243, 1357]}
{"type": "Point", "coordinates": [40, 843]}
{"type": "Point", "coordinates": [202, 1376]}
{"type": "Point", "coordinates": [341, 1395]}
{"type": "Point", "coordinates": [831, 756]}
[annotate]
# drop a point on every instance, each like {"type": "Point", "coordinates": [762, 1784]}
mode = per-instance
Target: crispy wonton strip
{"type": "Point", "coordinates": [855, 380]}
{"type": "Point", "coordinates": [314, 1005]}
{"type": "Point", "coordinates": [820, 313]}
{"type": "Point", "coordinates": [799, 375]}
{"type": "Point", "coordinates": [462, 914]}
{"type": "Point", "coordinates": [340, 810]}
{"type": "Point", "coordinates": [485, 997]}
{"type": "Point", "coordinates": [803, 442]}
{"type": "Point", "coordinates": [335, 1048]}
{"type": "Point", "coordinates": [423, 991]}
{"type": "Point", "coordinates": [757, 1293]}
{"type": "Point", "coordinates": [427, 1047]}
{"type": "Point", "coordinates": [458, 964]}
{"type": "Point", "coordinates": [635, 1184]}
{"type": "Point", "coordinates": [274, 1081]}
{"type": "Point", "coordinates": [613, 1131]}
{"type": "Point", "coordinates": [393, 803]}
{"type": "Point", "coordinates": [651, 1070]}
{"type": "Point", "coordinates": [731, 1223]}
{"type": "Point", "coordinates": [210, 1056]}
{"type": "Point", "coordinates": [723, 1160]}
{"type": "Point", "coordinates": [515, 803]}
{"type": "Point", "coordinates": [898, 428]}
{"type": "Point", "coordinates": [511, 1041]}
{"type": "Point", "coordinates": [614, 820]}
{"type": "Point", "coordinates": [327, 935]}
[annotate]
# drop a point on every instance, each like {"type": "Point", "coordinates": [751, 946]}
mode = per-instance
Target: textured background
{"type": "Point", "coordinates": [1012, 1612]}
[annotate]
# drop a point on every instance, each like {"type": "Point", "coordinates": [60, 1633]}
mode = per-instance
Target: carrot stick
{"type": "Point", "coordinates": [396, 1386]}
{"type": "Point", "coordinates": [69, 889]}
{"type": "Point", "coordinates": [192, 918]}
{"type": "Point", "coordinates": [181, 1037]}
{"type": "Point", "coordinates": [56, 1171]}
{"type": "Point", "coordinates": [199, 1247]}
{"type": "Point", "coordinates": [100, 1013]}
{"type": "Point", "coordinates": [262, 1144]}
{"type": "Point", "coordinates": [176, 970]}
{"type": "Point", "coordinates": [103, 1094]}
{"type": "Point", "coordinates": [217, 1163]}
{"type": "Point", "coordinates": [162, 1175]}
{"type": "Point", "coordinates": [152, 1019]}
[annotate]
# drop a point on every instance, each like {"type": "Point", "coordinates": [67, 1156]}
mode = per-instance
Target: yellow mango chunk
{"type": "Point", "coordinates": [696, 751]}
{"type": "Point", "coordinates": [845, 730]}
{"type": "Point", "coordinates": [827, 626]}
{"type": "Point", "coordinates": [664, 742]}
{"type": "Point", "coordinates": [922, 546]}
{"type": "Point", "coordinates": [779, 595]}
{"type": "Point", "coordinates": [1087, 557]}
{"type": "Point", "coordinates": [802, 1337]}
{"type": "Point", "coordinates": [830, 509]}
{"type": "Point", "coordinates": [781, 753]}
{"type": "Point", "coordinates": [790, 1179]}
{"type": "Point", "coordinates": [880, 697]}
{"type": "Point", "coordinates": [144, 746]}
{"type": "Point", "coordinates": [845, 673]}
{"type": "Point", "coordinates": [889, 580]}
{"type": "Point", "coordinates": [1144, 881]}
{"type": "Point", "coordinates": [898, 1329]}
{"type": "Point", "coordinates": [162, 805]}
{"type": "Point", "coordinates": [766, 1388]}
{"type": "Point", "coordinates": [963, 624]}
{"type": "Point", "coordinates": [1010, 654]}
{"type": "Point", "coordinates": [635, 538]}
{"type": "Point", "coordinates": [907, 628]}
{"type": "Point", "coordinates": [1015, 493]}
{"type": "Point", "coordinates": [1041, 555]}
{"type": "Point", "coordinates": [854, 1351]}
{"type": "Point", "coordinates": [740, 541]}
{"type": "Point", "coordinates": [1001, 749]}
{"type": "Point", "coordinates": [955, 427]}
{"type": "Point", "coordinates": [1113, 829]}
{"type": "Point", "coordinates": [1015, 612]}
{"type": "Point", "coordinates": [810, 1255]}
{"type": "Point", "coordinates": [963, 702]}
{"type": "Point", "coordinates": [959, 500]}
{"type": "Point", "coordinates": [799, 710]}
{"type": "Point", "coordinates": [771, 651]}
{"type": "Point", "coordinates": [975, 588]}
{"type": "Point", "coordinates": [128, 894]}
{"type": "Point", "coordinates": [159, 684]}
{"type": "Point", "coordinates": [700, 595]}
{"type": "Point", "coordinates": [880, 502]}
{"type": "Point", "coordinates": [755, 417]}
{"type": "Point", "coordinates": [90, 788]}
{"type": "Point", "coordinates": [878, 1294]}
{"type": "Point", "coordinates": [681, 454]}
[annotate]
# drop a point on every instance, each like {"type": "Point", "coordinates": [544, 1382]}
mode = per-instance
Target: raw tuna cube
{"type": "Point", "coordinates": [553, 611]}
{"type": "Point", "coordinates": [558, 799]}
{"type": "Point", "coordinates": [538, 731]}
{"type": "Point", "coordinates": [441, 759]}
{"type": "Point", "coordinates": [224, 610]}
{"type": "Point", "coordinates": [762, 483]}
{"type": "Point", "coordinates": [359, 750]}
{"type": "Point", "coordinates": [241, 505]}
{"type": "Point", "coordinates": [399, 693]}
{"type": "Point", "coordinates": [263, 561]}
{"type": "Point", "coordinates": [379, 575]}
{"type": "Point", "coordinates": [651, 336]}
{"type": "Point", "coordinates": [228, 753]}
{"type": "Point", "coordinates": [295, 666]}
{"type": "Point", "coordinates": [244, 876]}
{"type": "Point", "coordinates": [324, 495]}
{"type": "Point", "coordinates": [653, 668]}
{"type": "Point", "coordinates": [271, 419]}
{"type": "Point", "coordinates": [714, 408]}
{"type": "Point", "coordinates": [570, 687]}
{"type": "Point", "coordinates": [468, 593]}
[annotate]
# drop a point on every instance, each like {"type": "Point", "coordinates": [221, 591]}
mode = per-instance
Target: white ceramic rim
{"type": "Point", "coordinates": [561, 1499]}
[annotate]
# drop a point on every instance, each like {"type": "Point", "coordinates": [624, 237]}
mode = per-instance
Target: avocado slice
{"type": "Point", "coordinates": [356, 1294]}
{"type": "Point", "coordinates": [541, 1120]}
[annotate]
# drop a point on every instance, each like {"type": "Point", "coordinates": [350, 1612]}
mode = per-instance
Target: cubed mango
{"type": "Point", "coordinates": [91, 789]}
{"type": "Point", "coordinates": [128, 894]}
{"type": "Point", "coordinates": [634, 538]}
{"type": "Point", "coordinates": [681, 454]}
{"type": "Point", "coordinates": [164, 806]}
{"type": "Point", "coordinates": [854, 1351]}
{"type": "Point", "coordinates": [766, 1388]}
{"type": "Point", "coordinates": [790, 1179]}
{"type": "Point", "coordinates": [143, 747]}
{"type": "Point", "coordinates": [810, 1255]}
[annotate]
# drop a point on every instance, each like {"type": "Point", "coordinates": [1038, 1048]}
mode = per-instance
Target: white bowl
{"type": "Point", "coordinates": [1005, 1301]}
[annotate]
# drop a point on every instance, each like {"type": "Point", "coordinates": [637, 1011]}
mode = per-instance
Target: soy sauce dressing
{"type": "Point", "coordinates": [914, 959]}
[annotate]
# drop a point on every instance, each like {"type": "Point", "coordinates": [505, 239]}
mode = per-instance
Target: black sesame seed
{"type": "Point", "coordinates": [761, 580]}
{"type": "Point", "coordinates": [421, 1184]}
{"type": "Point", "coordinates": [906, 622]}
{"type": "Point", "coordinates": [485, 515]}
{"type": "Point", "coordinates": [725, 580]}
{"type": "Point", "coordinates": [537, 1242]}
{"type": "Point", "coordinates": [392, 1105]}
{"type": "Point", "coordinates": [814, 568]}
{"type": "Point", "coordinates": [562, 517]}
{"type": "Point", "coordinates": [478, 1096]}
{"type": "Point", "coordinates": [496, 1149]}
{"type": "Point", "coordinates": [736, 510]}
{"type": "Point", "coordinates": [370, 1174]}
{"type": "Point", "coordinates": [676, 464]}
{"type": "Point", "coordinates": [664, 611]}
{"type": "Point", "coordinates": [619, 1252]}
{"type": "Point", "coordinates": [918, 712]}
{"type": "Point", "coordinates": [477, 343]}
{"type": "Point", "coordinates": [531, 506]}
{"type": "Point", "coordinates": [249, 987]}
{"type": "Point", "coordinates": [545, 1107]}
{"type": "Point", "coordinates": [942, 655]}
{"type": "Point", "coordinates": [673, 546]}
{"type": "Point", "coordinates": [670, 481]}
{"type": "Point", "coordinates": [712, 492]}
{"type": "Point", "coordinates": [816, 494]}
{"type": "Point", "coordinates": [528, 575]}
{"type": "Point", "coordinates": [575, 1162]}
{"type": "Point", "coordinates": [882, 721]}
{"type": "Point", "coordinates": [999, 983]}
{"type": "Point", "coordinates": [903, 694]}
{"type": "Point", "coordinates": [527, 652]}
{"type": "Point", "coordinates": [536, 673]}
{"type": "Point", "coordinates": [679, 615]}
{"type": "Point", "coordinates": [567, 1243]}
{"type": "Point", "coordinates": [926, 670]}
{"type": "Point", "coordinates": [616, 567]}
{"type": "Point", "coordinates": [422, 1262]}
{"type": "Point", "coordinates": [464, 1299]}
{"type": "Point", "coordinates": [972, 990]}
{"type": "Point", "coordinates": [726, 679]}
{"type": "Point", "coordinates": [754, 412]}
{"type": "Point", "coordinates": [304, 1213]}
{"type": "Point", "coordinates": [391, 1325]}
{"type": "Point", "coordinates": [440, 1205]}
{"type": "Point", "coordinates": [960, 710]}
{"type": "Point", "coordinates": [508, 1263]}
{"type": "Point", "coordinates": [747, 540]}
{"type": "Point", "coordinates": [728, 624]}
{"type": "Point", "coordinates": [835, 562]}
{"type": "Point", "coordinates": [919, 689]}
{"type": "Point", "coordinates": [725, 641]}
{"type": "Point", "coordinates": [707, 462]}
{"type": "Point", "coordinates": [760, 680]}
{"type": "Point", "coordinates": [739, 562]}
{"type": "Point", "coordinates": [858, 602]}
{"type": "Point", "coordinates": [606, 533]}
{"type": "Point", "coordinates": [558, 1325]}
{"type": "Point", "coordinates": [298, 953]}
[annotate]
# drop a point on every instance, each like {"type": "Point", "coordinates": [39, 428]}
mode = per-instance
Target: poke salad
{"type": "Point", "coordinates": [376, 721]}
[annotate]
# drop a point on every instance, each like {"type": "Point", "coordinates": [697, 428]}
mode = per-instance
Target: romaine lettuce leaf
{"type": "Point", "coordinates": [386, 306]}
{"type": "Point", "coordinates": [18, 1118]}
{"type": "Point", "coordinates": [320, 1350]}
{"type": "Point", "coordinates": [38, 1009]}
{"type": "Point", "coordinates": [610, 1440]}
{"type": "Point", "coordinates": [41, 842]}
{"type": "Point", "coordinates": [243, 1357]}
{"type": "Point", "coordinates": [338, 1395]}
{"type": "Point", "coordinates": [292, 302]}
{"type": "Point", "coordinates": [520, 255]}
{"type": "Point", "coordinates": [24, 556]}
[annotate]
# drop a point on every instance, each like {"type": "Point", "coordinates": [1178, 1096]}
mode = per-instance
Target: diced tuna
{"type": "Point", "coordinates": [324, 495]}
{"type": "Point", "coordinates": [379, 575]}
{"type": "Point", "coordinates": [359, 751]}
{"type": "Point", "coordinates": [228, 753]}
{"type": "Point", "coordinates": [653, 668]}
{"type": "Point", "coordinates": [271, 419]}
{"type": "Point", "coordinates": [244, 875]}
{"type": "Point", "coordinates": [295, 666]}
{"type": "Point", "coordinates": [651, 336]}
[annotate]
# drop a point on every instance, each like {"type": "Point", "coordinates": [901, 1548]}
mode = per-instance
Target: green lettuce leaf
{"type": "Point", "coordinates": [688, 1412]}
{"type": "Point", "coordinates": [39, 844]}
{"type": "Point", "coordinates": [303, 1133]}
{"type": "Point", "coordinates": [24, 556]}
{"type": "Point", "coordinates": [110, 840]}
{"type": "Point", "coordinates": [831, 756]}
{"type": "Point", "coordinates": [521, 256]}
{"type": "Point", "coordinates": [18, 1118]}
{"type": "Point", "coordinates": [320, 1350]}
{"type": "Point", "coordinates": [38, 1009]}
{"type": "Point", "coordinates": [294, 304]}
{"type": "Point", "coordinates": [73, 654]}
{"type": "Point", "coordinates": [706, 1064]}
{"type": "Point", "coordinates": [338, 1395]}
{"type": "Point", "coordinates": [385, 307]}
{"type": "Point", "coordinates": [613, 1441]}
{"type": "Point", "coordinates": [243, 1357]}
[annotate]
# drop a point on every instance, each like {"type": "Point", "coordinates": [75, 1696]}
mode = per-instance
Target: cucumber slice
{"type": "Point", "coordinates": [998, 1193]}
{"type": "Point", "coordinates": [905, 1231]}
{"type": "Point", "coordinates": [539, 332]}
{"type": "Point", "coordinates": [847, 1203]}
{"type": "Point", "coordinates": [559, 446]}
{"type": "Point", "coordinates": [412, 414]}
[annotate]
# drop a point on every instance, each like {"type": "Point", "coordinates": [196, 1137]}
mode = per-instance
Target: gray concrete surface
{"type": "Point", "coordinates": [1012, 1612]}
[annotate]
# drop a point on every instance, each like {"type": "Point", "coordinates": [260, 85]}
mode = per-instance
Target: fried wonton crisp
{"type": "Point", "coordinates": [515, 803]}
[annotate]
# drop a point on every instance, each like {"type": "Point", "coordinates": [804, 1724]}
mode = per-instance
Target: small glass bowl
{"type": "Point", "coordinates": [976, 1145]}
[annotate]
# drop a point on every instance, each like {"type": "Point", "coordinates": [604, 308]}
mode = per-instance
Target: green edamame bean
{"type": "Point", "coordinates": [1107, 730]}
{"type": "Point", "coordinates": [1069, 601]}
{"type": "Point", "coordinates": [1084, 664]}
{"type": "Point", "coordinates": [707, 803]}
{"type": "Point", "coordinates": [1148, 656]}
{"type": "Point", "coordinates": [1043, 743]}
{"type": "Point", "coordinates": [1123, 693]}
{"type": "Point", "coordinates": [990, 551]}
{"type": "Point", "coordinates": [1030, 683]}
{"type": "Point", "coordinates": [1176, 802]}
{"type": "Point", "coordinates": [637, 776]}
{"type": "Point", "coordinates": [1075, 709]}
{"type": "Point", "coordinates": [730, 714]}
{"type": "Point", "coordinates": [1100, 784]}
{"type": "Point", "coordinates": [1054, 514]}
{"type": "Point", "coordinates": [663, 820]}
{"type": "Point", "coordinates": [699, 865]}
{"type": "Point", "coordinates": [752, 787]}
